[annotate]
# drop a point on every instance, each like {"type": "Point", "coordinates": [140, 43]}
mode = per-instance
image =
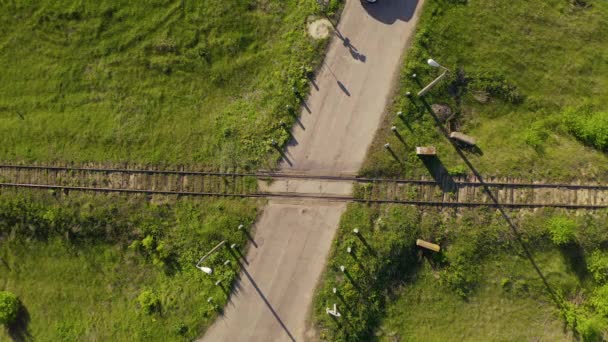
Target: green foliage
{"type": "Point", "coordinates": [104, 256]}
{"type": "Point", "coordinates": [9, 307]}
{"type": "Point", "coordinates": [382, 254]}
{"type": "Point", "coordinates": [599, 300]}
{"type": "Point", "coordinates": [510, 97]}
{"type": "Point", "coordinates": [461, 277]}
{"type": "Point", "coordinates": [496, 85]}
{"type": "Point", "coordinates": [598, 266]}
{"type": "Point", "coordinates": [562, 230]}
{"type": "Point", "coordinates": [149, 302]}
{"type": "Point", "coordinates": [590, 128]}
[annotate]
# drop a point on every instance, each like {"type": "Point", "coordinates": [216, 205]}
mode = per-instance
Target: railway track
{"type": "Point", "coordinates": [443, 191]}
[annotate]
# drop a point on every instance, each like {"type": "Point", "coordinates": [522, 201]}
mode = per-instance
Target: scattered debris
{"type": "Point", "coordinates": [442, 111]}
{"type": "Point", "coordinates": [463, 138]}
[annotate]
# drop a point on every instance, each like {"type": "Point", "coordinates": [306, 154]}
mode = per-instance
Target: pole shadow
{"type": "Point", "coordinates": [236, 253]}
{"type": "Point", "coordinates": [343, 87]}
{"type": "Point", "coordinates": [263, 297]}
{"type": "Point", "coordinates": [250, 238]}
{"type": "Point", "coordinates": [390, 150]}
{"type": "Point", "coordinates": [399, 136]}
{"type": "Point", "coordinates": [367, 245]}
{"type": "Point", "coordinates": [283, 155]}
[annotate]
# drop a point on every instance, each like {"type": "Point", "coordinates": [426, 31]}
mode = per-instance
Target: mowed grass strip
{"type": "Point", "coordinates": [157, 82]}
{"type": "Point", "coordinates": [527, 81]}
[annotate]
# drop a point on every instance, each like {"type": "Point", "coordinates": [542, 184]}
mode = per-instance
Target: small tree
{"type": "Point", "coordinates": [598, 266]}
{"type": "Point", "coordinates": [9, 307]}
{"type": "Point", "coordinates": [562, 230]}
{"type": "Point", "coordinates": [148, 302]}
{"type": "Point", "coordinates": [599, 300]}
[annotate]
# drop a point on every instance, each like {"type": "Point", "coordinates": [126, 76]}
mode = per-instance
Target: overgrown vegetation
{"type": "Point", "coordinates": [482, 268]}
{"type": "Point", "coordinates": [9, 307]}
{"type": "Point", "coordinates": [161, 82]}
{"type": "Point", "coordinates": [114, 267]}
{"type": "Point", "coordinates": [526, 81]}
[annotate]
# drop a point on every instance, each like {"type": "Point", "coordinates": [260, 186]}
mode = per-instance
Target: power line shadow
{"type": "Point", "coordinates": [498, 206]}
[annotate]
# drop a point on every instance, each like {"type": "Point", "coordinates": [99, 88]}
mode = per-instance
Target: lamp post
{"type": "Point", "coordinates": [205, 269]}
{"type": "Point", "coordinates": [434, 64]}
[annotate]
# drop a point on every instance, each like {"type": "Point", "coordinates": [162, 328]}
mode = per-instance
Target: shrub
{"type": "Point", "coordinates": [9, 307]}
{"type": "Point", "coordinates": [590, 128]}
{"type": "Point", "coordinates": [598, 266]}
{"type": "Point", "coordinates": [148, 302]}
{"type": "Point", "coordinates": [497, 86]}
{"type": "Point", "coordinates": [599, 300]}
{"type": "Point", "coordinates": [562, 230]}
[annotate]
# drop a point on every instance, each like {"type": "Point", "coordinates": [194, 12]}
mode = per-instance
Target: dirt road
{"type": "Point", "coordinates": [349, 95]}
{"type": "Point", "coordinates": [337, 124]}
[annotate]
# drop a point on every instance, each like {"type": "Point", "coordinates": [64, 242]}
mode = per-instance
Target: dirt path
{"type": "Point", "coordinates": [337, 125]}
{"type": "Point", "coordinates": [351, 91]}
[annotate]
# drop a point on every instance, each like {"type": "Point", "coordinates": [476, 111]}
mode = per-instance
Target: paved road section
{"type": "Point", "coordinates": [351, 90]}
{"type": "Point", "coordinates": [272, 297]}
{"type": "Point", "coordinates": [337, 124]}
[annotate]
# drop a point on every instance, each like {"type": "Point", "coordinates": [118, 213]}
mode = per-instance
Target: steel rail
{"type": "Point", "coordinates": [303, 196]}
{"type": "Point", "coordinates": [279, 175]}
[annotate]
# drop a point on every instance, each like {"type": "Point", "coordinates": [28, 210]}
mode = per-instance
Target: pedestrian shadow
{"type": "Point", "coordinates": [439, 173]}
{"type": "Point", "coordinates": [351, 48]}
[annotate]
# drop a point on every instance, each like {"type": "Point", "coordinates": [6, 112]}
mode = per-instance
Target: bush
{"type": "Point", "coordinates": [590, 128]}
{"type": "Point", "coordinates": [598, 266]}
{"type": "Point", "coordinates": [562, 230]}
{"type": "Point", "coordinates": [497, 86]}
{"type": "Point", "coordinates": [9, 307]}
{"type": "Point", "coordinates": [599, 300]}
{"type": "Point", "coordinates": [148, 302]}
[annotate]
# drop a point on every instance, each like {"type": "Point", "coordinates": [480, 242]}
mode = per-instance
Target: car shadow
{"type": "Point", "coordinates": [389, 11]}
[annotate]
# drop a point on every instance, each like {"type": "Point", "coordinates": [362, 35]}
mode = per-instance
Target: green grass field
{"type": "Point", "coordinates": [482, 286]}
{"type": "Point", "coordinates": [527, 81]}
{"type": "Point", "coordinates": [80, 263]}
{"type": "Point", "coordinates": [155, 82]}
{"type": "Point", "coordinates": [424, 310]}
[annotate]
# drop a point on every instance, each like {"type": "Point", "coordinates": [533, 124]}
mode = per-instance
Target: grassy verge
{"type": "Point", "coordinates": [116, 268]}
{"type": "Point", "coordinates": [165, 82]}
{"type": "Point", "coordinates": [526, 81]}
{"type": "Point", "coordinates": [482, 283]}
